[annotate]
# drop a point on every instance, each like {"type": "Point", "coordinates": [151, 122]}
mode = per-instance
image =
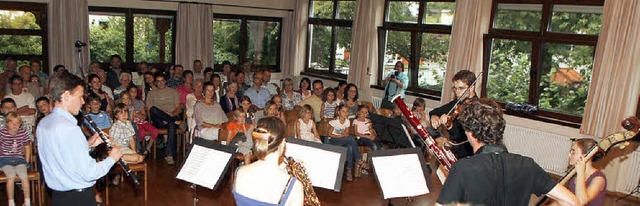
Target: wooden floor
{"type": "Point", "coordinates": [165, 189]}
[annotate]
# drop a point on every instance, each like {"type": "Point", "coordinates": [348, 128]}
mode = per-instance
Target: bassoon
{"type": "Point", "coordinates": [444, 156]}
{"type": "Point", "coordinates": [106, 140]}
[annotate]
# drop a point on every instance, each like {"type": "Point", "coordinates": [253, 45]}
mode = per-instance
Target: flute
{"type": "Point", "coordinates": [106, 140]}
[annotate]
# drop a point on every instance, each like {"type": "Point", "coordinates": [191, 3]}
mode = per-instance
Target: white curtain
{"type": "Point", "coordinates": [364, 44]}
{"type": "Point", "coordinates": [194, 39]}
{"type": "Point", "coordinates": [615, 85]}
{"type": "Point", "coordinates": [295, 39]}
{"type": "Point", "coordinates": [471, 21]}
{"type": "Point", "coordinates": [69, 23]}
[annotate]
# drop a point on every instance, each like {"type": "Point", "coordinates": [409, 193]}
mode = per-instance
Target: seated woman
{"type": "Point", "coordinates": [339, 135]}
{"type": "Point", "coordinates": [351, 99]}
{"type": "Point", "coordinates": [589, 184]}
{"type": "Point", "coordinates": [209, 115]}
{"type": "Point", "coordinates": [231, 99]}
{"type": "Point", "coordinates": [186, 88]}
{"type": "Point", "coordinates": [305, 126]}
{"type": "Point", "coordinates": [266, 182]}
{"type": "Point", "coordinates": [95, 84]}
{"type": "Point", "coordinates": [289, 98]}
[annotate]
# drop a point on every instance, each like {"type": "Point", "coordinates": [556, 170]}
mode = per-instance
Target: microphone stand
{"type": "Point", "coordinates": [81, 67]}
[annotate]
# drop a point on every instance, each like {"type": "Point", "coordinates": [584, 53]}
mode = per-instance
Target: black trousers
{"type": "Point", "coordinates": [73, 197]}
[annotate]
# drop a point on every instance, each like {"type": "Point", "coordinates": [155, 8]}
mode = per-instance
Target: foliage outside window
{"type": "Point", "coordinates": [135, 35]}
{"type": "Point", "coordinates": [329, 38]}
{"type": "Point", "coordinates": [546, 64]}
{"type": "Point", "coordinates": [240, 39]}
{"type": "Point", "coordinates": [23, 27]}
{"type": "Point", "coordinates": [418, 34]}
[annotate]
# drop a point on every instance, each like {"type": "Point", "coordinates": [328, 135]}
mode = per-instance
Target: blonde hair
{"type": "Point", "coordinates": [306, 108]}
{"type": "Point", "coordinates": [12, 116]}
{"type": "Point", "coordinates": [238, 113]}
{"type": "Point", "coordinates": [275, 129]}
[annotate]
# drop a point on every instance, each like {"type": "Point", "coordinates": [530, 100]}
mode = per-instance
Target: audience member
{"type": "Point", "coordinates": [44, 108]}
{"type": "Point", "coordinates": [36, 69]}
{"type": "Point", "coordinates": [113, 72]}
{"type": "Point", "coordinates": [259, 95]}
{"type": "Point", "coordinates": [365, 134]}
{"type": "Point", "coordinates": [207, 74]}
{"type": "Point", "coordinates": [177, 79]}
{"type": "Point", "coordinates": [139, 117]}
{"type": "Point", "coordinates": [197, 69]}
{"type": "Point", "coordinates": [231, 100]}
{"type": "Point", "coordinates": [123, 135]}
{"type": "Point", "coordinates": [165, 112]}
{"type": "Point", "coordinates": [339, 135]}
{"type": "Point", "coordinates": [10, 70]}
{"type": "Point", "coordinates": [217, 83]}
{"type": "Point", "coordinates": [13, 161]}
{"type": "Point", "coordinates": [24, 101]}
{"type": "Point", "coordinates": [289, 97]}
{"type": "Point", "coordinates": [247, 106]}
{"type": "Point", "coordinates": [185, 88]}
{"type": "Point", "coordinates": [226, 70]}
{"type": "Point", "coordinates": [96, 87]}
{"type": "Point", "coordinates": [209, 116]}
{"type": "Point", "coordinates": [305, 126]}
{"type": "Point", "coordinates": [315, 100]}
{"type": "Point", "coordinates": [8, 105]}
{"type": "Point", "coordinates": [242, 85]}
{"type": "Point", "coordinates": [328, 109]}
{"type": "Point", "coordinates": [125, 82]}
{"type": "Point", "coordinates": [100, 117]}
{"type": "Point", "coordinates": [351, 99]}
{"type": "Point", "coordinates": [271, 110]}
{"type": "Point", "coordinates": [305, 88]}
{"type": "Point", "coordinates": [340, 90]}
{"type": "Point", "coordinates": [273, 88]}
{"type": "Point", "coordinates": [240, 134]}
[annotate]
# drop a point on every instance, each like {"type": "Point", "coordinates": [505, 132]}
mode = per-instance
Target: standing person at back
{"type": "Point", "coordinates": [64, 151]}
{"type": "Point", "coordinates": [493, 176]}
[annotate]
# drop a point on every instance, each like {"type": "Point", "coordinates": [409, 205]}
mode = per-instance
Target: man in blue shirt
{"type": "Point", "coordinates": [258, 94]}
{"type": "Point", "coordinates": [64, 151]}
{"type": "Point", "coordinates": [395, 83]}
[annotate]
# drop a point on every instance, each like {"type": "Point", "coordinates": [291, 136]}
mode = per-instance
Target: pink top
{"type": "Point", "coordinates": [183, 91]}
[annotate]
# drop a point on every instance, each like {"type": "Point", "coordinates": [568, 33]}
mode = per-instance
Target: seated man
{"type": "Point", "coordinates": [164, 111]}
{"type": "Point", "coordinates": [493, 176]}
{"type": "Point", "coordinates": [315, 101]}
{"type": "Point", "coordinates": [258, 94]}
{"type": "Point", "coordinates": [25, 102]}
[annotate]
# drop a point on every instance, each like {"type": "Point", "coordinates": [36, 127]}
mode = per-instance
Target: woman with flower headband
{"type": "Point", "coordinates": [265, 182]}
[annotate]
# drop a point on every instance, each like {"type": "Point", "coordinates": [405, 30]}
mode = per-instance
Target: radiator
{"type": "Point", "coordinates": [549, 150]}
{"type": "Point", "coordinates": [633, 173]}
{"type": "Point", "coordinates": [377, 101]}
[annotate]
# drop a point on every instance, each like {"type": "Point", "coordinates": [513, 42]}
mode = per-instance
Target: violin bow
{"type": "Point", "coordinates": [465, 93]}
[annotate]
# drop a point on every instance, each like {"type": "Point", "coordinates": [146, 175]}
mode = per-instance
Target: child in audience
{"type": "Point", "coordinates": [101, 118]}
{"type": "Point", "coordinates": [419, 111]}
{"type": "Point", "coordinates": [339, 135]}
{"type": "Point", "coordinates": [138, 115]}
{"type": "Point", "coordinates": [328, 109]}
{"type": "Point", "coordinates": [305, 126]}
{"type": "Point", "coordinates": [123, 135]}
{"type": "Point", "coordinates": [246, 106]}
{"type": "Point", "coordinates": [44, 108]}
{"type": "Point", "coordinates": [15, 152]}
{"type": "Point", "coordinates": [239, 127]}
{"type": "Point", "coordinates": [365, 133]}
{"type": "Point", "coordinates": [271, 110]}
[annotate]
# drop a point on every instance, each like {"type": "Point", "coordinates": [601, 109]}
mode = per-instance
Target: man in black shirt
{"type": "Point", "coordinates": [494, 176]}
{"type": "Point", "coordinates": [461, 147]}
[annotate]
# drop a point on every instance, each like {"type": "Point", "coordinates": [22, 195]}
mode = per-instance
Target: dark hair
{"type": "Point", "coordinates": [205, 85]}
{"type": "Point", "coordinates": [401, 64]}
{"type": "Point", "coordinates": [465, 76]}
{"type": "Point", "coordinates": [158, 74]}
{"type": "Point", "coordinates": [207, 70]}
{"type": "Point", "coordinates": [119, 108]}
{"type": "Point", "coordinates": [15, 77]}
{"type": "Point", "coordinates": [131, 86]}
{"type": "Point", "coordinates": [92, 76]}
{"type": "Point", "coordinates": [197, 60]}
{"type": "Point", "coordinates": [185, 72]}
{"type": "Point", "coordinates": [346, 92]}
{"type": "Point", "coordinates": [484, 119]}
{"type": "Point", "coordinates": [338, 108]}
{"type": "Point", "coordinates": [308, 83]}
{"type": "Point", "coordinates": [587, 143]}
{"type": "Point", "coordinates": [276, 129]}
{"type": "Point", "coordinates": [326, 93]}
{"type": "Point", "coordinates": [42, 98]}
{"type": "Point", "coordinates": [93, 97]}
{"type": "Point", "coordinates": [226, 62]}
{"type": "Point", "coordinates": [419, 102]}
{"type": "Point", "coordinates": [7, 100]}
{"type": "Point", "coordinates": [213, 76]}
{"type": "Point", "coordinates": [177, 65]}
{"type": "Point", "coordinates": [61, 83]}
{"type": "Point", "coordinates": [318, 81]}
{"type": "Point", "coordinates": [58, 67]}
{"type": "Point", "coordinates": [115, 56]}
{"type": "Point", "coordinates": [340, 84]}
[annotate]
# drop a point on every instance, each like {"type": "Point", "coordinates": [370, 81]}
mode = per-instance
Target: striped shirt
{"type": "Point", "coordinates": [11, 145]}
{"type": "Point", "coordinates": [330, 110]}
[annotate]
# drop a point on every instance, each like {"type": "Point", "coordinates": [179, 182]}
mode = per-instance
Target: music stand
{"type": "Point", "coordinates": [400, 172]}
{"type": "Point", "coordinates": [319, 160]}
{"type": "Point", "coordinates": [206, 164]}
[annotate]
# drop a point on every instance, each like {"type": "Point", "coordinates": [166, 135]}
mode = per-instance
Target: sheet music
{"type": "Point", "coordinates": [204, 166]}
{"type": "Point", "coordinates": [321, 165]}
{"type": "Point", "coordinates": [400, 175]}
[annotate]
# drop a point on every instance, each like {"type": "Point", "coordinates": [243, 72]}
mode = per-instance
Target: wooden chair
{"type": "Point", "coordinates": [35, 184]}
{"type": "Point", "coordinates": [135, 168]}
{"type": "Point", "coordinates": [179, 140]}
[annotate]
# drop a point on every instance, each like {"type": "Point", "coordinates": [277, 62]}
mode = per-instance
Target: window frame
{"type": "Point", "coordinates": [334, 22]}
{"type": "Point", "coordinates": [43, 32]}
{"type": "Point", "coordinates": [417, 30]}
{"type": "Point", "coordinates": [129, 13]}
{"type": "Point", "coordinates": [244, 40]}
{"type": "Point", "coordinates": [538, 40]}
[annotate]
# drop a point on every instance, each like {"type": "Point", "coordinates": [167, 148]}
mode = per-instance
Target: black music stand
{"type": "Point", "coordinates": [206, 165]}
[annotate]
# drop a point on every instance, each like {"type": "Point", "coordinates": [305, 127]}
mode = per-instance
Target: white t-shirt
{"type": "Point", "coordinates": [339, 128]}
{"type": "Point", "coordinates": [24, 99]}
{"type": "Point", "coordinates": [362, 127]}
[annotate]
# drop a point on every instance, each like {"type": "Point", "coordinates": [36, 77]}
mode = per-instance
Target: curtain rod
{"type": "Point", "coordinates": [219, 4]}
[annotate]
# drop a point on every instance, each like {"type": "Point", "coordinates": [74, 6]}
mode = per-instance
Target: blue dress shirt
{"type": "Point", "coordinates": [64, 153]}
{"type": "Point", "coordinates": [258, 98]}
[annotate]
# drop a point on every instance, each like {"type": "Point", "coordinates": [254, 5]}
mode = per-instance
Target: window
{"type": "Point", "coordinates": [23, 32]}
{"type": "Point", "coordinates": [135, 35]}
{"type": "Point", "coordinates": [240, 39]}
{"type": "Point", "coordinates": [329, 37]}
{"type": "Point", "coordinates": [418, 34]}
{"type": "Point", "coordinates": [543, 63]}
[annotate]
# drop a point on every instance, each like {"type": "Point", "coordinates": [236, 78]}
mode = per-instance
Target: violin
{"type": "Point", "coordinates": [453, 113]}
